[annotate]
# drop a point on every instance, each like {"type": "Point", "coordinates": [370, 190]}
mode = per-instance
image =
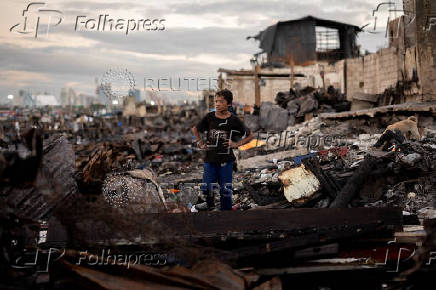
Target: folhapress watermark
{"type": "Point", "coordinates": [396, 256]}
{"type": "Point", "coordinates": [35, 16]}
{"type": "Point", "coordinates": [387, 11]}
{"type": "Point", "coordinates": [107, 258]}
{"type": "Point", "coordinates": [430, 23]}
{"type": "Point", "coordinates": [38, 20]}
{"type": "Point", "coordinates": [288, 140]}
{"type": "Point", "coordinates": [107, 23]}
{"type": "Point", "coordinates": [42, 259]}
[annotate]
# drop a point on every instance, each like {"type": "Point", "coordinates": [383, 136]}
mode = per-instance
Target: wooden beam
{"type": "Point", "coordinates": [257, 100]}
{"type": "Point", "coordinates": [245, 225]}
{"type": "Point", "coordinates": [271, 74]}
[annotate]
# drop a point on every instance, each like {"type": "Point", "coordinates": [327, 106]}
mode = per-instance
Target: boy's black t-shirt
{"type": "Point", "coordinates": [218, 131]}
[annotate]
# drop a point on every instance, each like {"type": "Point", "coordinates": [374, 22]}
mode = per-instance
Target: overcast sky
{"type": "Point", "coordinates": [199, 37]}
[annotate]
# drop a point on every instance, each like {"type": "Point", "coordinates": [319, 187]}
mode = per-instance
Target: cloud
{"type": "Point", "coordinates": [199, 38]}
{"type": "Point", "coordinates": [22, 78]}
{"type": "Point", "coordinates": [53, 40]}
{"type": "Point", "coordinates": [188, 41]}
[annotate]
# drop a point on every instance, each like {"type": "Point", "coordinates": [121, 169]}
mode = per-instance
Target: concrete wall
{"type": "Point", "coordinates": [396, 32]}
{"type": "Point", "coordinates": [409, 23]}
{"type": "Point", "coordinates": [373, 73]}
{"type": "Point", "coordinates": [333, 75]}
{"type": "Point", "coordinates": [272, 87]}
{"type": "Point", "coordinates": [426, 48]}
{"type": "Point", "coordinates": [388, 68]}
{"type": "Point", "coordinates": [355, 76]}
{"type": "Point", "coordinates": [340, 69]}
{"type": "Point", "coordinates": [243, 86]}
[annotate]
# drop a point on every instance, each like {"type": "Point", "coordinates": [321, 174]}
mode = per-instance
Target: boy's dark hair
{"type": "Point", "coordinates": [226, 94]}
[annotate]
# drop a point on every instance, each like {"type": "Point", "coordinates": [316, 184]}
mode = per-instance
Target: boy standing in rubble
{"type": "Point", "coordinates": [222, 130]}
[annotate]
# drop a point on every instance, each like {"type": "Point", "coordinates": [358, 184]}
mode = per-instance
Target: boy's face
{"type": "Point", "coordinates": [221, 104]}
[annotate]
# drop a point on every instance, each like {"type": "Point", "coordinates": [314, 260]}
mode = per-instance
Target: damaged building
{"type": "Point", "coordinates": [294, 51]}
{"type": "Point", "coordinates": [312, 52]}
{"type": "Point", "coordinates": [306, 40]}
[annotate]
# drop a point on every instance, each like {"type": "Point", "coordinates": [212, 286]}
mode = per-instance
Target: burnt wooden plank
{"type": "Point", "coordinates": [257, 224]}
{"type": "Point", "coordinates": [279, 220]}
{"type": "Point", "coordinates": [330, 185]}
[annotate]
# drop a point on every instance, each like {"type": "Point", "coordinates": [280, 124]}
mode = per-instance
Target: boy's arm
{"type": "Point", "coordinates": [196, 134]}
{"type": "Point", "coordinates": [241, 142]}
{"type": "Point", "coordinates": [198, 140]}
{"type": "Point", "coordinates": [240, 126]}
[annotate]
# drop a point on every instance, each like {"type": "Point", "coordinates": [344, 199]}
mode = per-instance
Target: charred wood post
{"type": "Point", "coordinates": [355, 183]}
{"type": "Point", "coordinates": [329, 184]}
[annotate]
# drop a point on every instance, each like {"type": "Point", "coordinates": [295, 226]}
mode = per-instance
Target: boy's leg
{"type": "Point", "coordinates": [225, 173]}
{"type": "Point", "coordinates": [209, 179]}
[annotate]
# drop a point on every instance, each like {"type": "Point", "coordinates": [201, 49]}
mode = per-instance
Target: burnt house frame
{"type": "Point", "coordinates": [300, 42]}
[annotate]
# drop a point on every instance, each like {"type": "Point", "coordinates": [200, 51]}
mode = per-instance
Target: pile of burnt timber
{"type": "Point", "coordinates": [296, 106]}
{"type": "Point", "coordinates": [38, 177]}
{"type": "Point", "coordinates": [383, 161]}
{"type": "Point", "coordinates": [256, 225]}
{"type": "Point", "coordinates": [252, 238]}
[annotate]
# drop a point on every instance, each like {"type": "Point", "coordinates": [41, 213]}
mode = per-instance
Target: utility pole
{"type": "Point", "coordinates": [292, 66]}
{"type": "Point", "coordinates": [220, 81]}
{"type": "Point", "coordinates": [257, 100]}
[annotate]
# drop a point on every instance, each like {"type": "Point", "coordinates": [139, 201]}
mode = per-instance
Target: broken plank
{"type": "Point", "coordinates": [263, 224]}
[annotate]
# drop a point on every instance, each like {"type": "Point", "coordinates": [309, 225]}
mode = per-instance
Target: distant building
{"type": "Point", "coordinates": [86, 100]}
{"type": "Point", "coordinates": [101, 94]}
{"type": "Point", "coordinates": [45, 100]}
{"type": "Point", "coordinates": [63, 97]}
{"type": "Point", "coordinates": [135, 93]}
{"type": "Point", "coordinates": [68, 97]}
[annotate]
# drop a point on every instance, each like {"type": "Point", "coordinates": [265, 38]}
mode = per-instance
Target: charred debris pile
{"type": "Point", "coordinates": [310, 206]}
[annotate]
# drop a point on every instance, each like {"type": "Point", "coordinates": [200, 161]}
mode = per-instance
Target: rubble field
{"type": "Point", "coordinates": [325, 200]}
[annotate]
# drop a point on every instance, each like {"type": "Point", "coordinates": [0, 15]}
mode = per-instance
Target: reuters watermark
{"type": "Point", "coordinates": [177, 84]}
{"type": "Point", "coordinates": [118, 83]}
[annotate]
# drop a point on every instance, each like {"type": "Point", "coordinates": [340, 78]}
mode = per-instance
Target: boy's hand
{"type": "Point", "coordinates": [201, 145]}
{"type": "Point", "coordinates": [231, 144]}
